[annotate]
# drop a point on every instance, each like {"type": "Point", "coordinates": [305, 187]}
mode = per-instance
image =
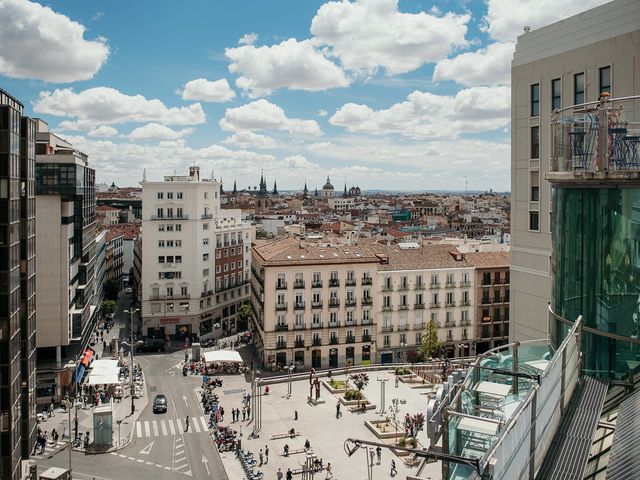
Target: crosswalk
{"type": "Point", "coordinates": [169, 427]}
{"type": "Point", "coordinates": [50, 448]}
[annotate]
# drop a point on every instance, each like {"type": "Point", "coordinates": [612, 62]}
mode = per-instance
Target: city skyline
{"type": "Point", "coordinates": [297, 89]}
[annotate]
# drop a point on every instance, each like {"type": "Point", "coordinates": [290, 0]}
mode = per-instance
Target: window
{"type": "Point", "coordinates": [160, 212]}
{"type": "Point", "coordinates": [169, 212]}
{"type": "Point", "coordinates": [450, 279]}
{"type": "Point", "coordinates": [160, 195]}
{"type": "Point", "coordinates": [604, 80]}
{"type": "Point", "coordinates": [161, 243]}
{"type": "Point", "coordinates": [178, 243]}
{"type": "Point", "coordinates": [161, 259]}
{"type": "Point", "coordinates": [535, 142]}
{"type": "Point", "coordinates": [178, 227]}
{"type": "Point", "coordinates": [170, 227]}
{"type": "Point", "coordinates": [218, 268]}
{"type": "Point", "coordinates": [205, 257]}
{"type": "Point", "coordinates": [161, 227]}
{"type": "Point", "coordinates": [169, 195]}
{"type": "Point", "coordinates": [178, 258]}
{"type": "Point", "coordinates": [179, 195]}
{"type": "Point", "coordinates": [386, 301]}
{"type": "Point", "coordinates": [535, 99]}
{"type": "Point", "coordinates": [578, 89]}
{"type": "Point", "coordinates": [556, 94]}
{"type": "Point", "coordinates": [205, 226]}
{"type": "Point", "coordinates": [205, 241]}
{"type": "Point", "coordinates": [184, 290]}
{"type": "Point", "coordinates": [205, 272]}
{"type": "Point", "coordinates": [434, 279]}
{"type": "Point", "coordinates": [534, 221]}
{"type": "Point", "coordinates": [535, 188]}
{"type": "Point", "coordinates": [179, 212]}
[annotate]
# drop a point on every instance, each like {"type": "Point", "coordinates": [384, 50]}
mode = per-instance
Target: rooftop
{"type": "Point", "coordinates": [427, 257]}
{"type": "Point", "coordinates": [488, 259]}
{"type": "Point", "coordinates": [291, 251]}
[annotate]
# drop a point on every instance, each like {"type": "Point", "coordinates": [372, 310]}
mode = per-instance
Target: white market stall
{"type": "Point", "coordinates": [104, 372]}
{"type": "Point", "coordinates": [227, 361]}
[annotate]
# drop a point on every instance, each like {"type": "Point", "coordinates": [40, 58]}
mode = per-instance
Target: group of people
{"type": "Point", "coordinates": [42, 438]}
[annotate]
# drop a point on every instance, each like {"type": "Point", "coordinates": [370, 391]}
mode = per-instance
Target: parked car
{"type": "Point", "coordinates": [128, 290]}
{"type": "Point", "coordinates": [160, 404]}
{"type": "Point", "coordinates": [151, 345]}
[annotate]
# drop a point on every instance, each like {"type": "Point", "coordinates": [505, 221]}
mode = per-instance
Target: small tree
{"type": "Point", "coordinates": [417, 423]}
{"type": "Point", "coordinates": [108, 307]}
{"type": "Point", "coordinates": [360, 380]}
{"type": "Point", "coordinates": [242, 317]}
{"type": "Point", "coordinates": [394, 409]}
{"type": "Point", "coordinates": [430, 345]}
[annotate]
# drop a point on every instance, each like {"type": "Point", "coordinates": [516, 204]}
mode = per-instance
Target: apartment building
{"type": "Point", "coordinates": [18, 292]}
{"type": "Point", "coordinates": [313, 303]}
{"type": "Point", "coordinates": [66, 261]}
{"type": "Point", "coordinates": [492, 298]}
{"type": "Point", "coordinates": [416, 284]}
{"type": "Point", "coordinates": [568, 63]}
{"type": "Point", "coordinates": [114, 257]}
{"type": "Point", "coordinates": [195, 259]}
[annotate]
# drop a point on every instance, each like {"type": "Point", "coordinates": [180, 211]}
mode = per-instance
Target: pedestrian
{"type": "Point", "coordinates": [222, 414]}
{"type": "Point", "coordinates": [233, 415]}
{"type": "Point", "coordinates": [286, 449]}
{"type": "Point", "coordinates": [307, 444]}
{"type": "Point", "coordinates": [329, 472]}
{"type": "Point", "coordinates": [338, 412]}
{"type": "Point", "coordinates": [244, 413]}
{"type": "Point", "coordinates": [186, 422]}
{"type": "Point", "coordinates": [379, 453]}
{"type": "Point", "coordinates": [397, 380]}
{"type": "Point", "coordinates": [279, 474]}
{"type": "Point", "coordinates": [394, 472]}
{"type": "Point", "coordinates": [248, 412]}
{"type": "Point", "coordinates": [289, 474]}
{"type": "Point", "coordinates": [261, 456]}
{"type": "Point", "coordinates": [54, 437]}
{"type": "Point", "coordinates": [266, 454]}
{"type": "Point", "coordinates": [371, 455]}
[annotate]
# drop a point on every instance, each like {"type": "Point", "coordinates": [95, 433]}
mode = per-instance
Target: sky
{"type": "Point", "coordinates": [383, 94]}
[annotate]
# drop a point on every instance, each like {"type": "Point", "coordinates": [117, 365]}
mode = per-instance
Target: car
{"type": "Point", "coordinates": [128, 290]}
{"type": "Point", "coordinates": [151, 345]}
{"type": "Point", "coordinates": [160, 404]}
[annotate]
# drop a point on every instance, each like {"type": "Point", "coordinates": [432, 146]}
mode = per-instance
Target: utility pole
{"type": "Point", "coordinates": [132, 347]}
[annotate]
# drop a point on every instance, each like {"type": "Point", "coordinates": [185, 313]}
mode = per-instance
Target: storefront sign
{"type": "Point", "coordinates": [204, 316]}
{"type": "Point", "coordinates": [169, 320]}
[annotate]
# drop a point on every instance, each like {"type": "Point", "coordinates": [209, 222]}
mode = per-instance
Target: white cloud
{"type": "Point", "coordinates": [298, 162]}
{"type": "Point", "coordinates": [158, 132]}
{"type": "Point", "coordinates": [102, 131]}
{"type": "Point", "coordinates": [426, 115]}
{"type": "Point", "coordinates": [370, 34]}
{"type": "Point", "coordinates": [42, 44]}
{"type": "Point", "coordinates": [506, 19]}
{"type": "Point", "coordinates": [248, 139]}
{"type": "Point", "coordinates": [103, 106]}
{"type": "Point", "coordinates": [291, 64]}
{"type": "Point", "coordinates": [208, 91]}
{"type": "Point", "coordinates": [322, 112]}
{"type": "Point", "coordinates": [488, 66]}
{"type": "Point", "coordinates": [248, 39]}
{"type": "Point", "coordinates": [264, 115]}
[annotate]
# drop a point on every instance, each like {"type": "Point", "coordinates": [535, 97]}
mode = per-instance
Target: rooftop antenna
{"type": "Point", "coordinates": [466, 184]}
{"type": "Point", "coordinates": [144, 174]}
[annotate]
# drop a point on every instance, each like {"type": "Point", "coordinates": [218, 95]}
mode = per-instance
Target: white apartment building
{"type": "Point", "coordinates": [341, 203]}
{"type": "Point", "coordinates": [313, 303]}
{"type": "Point", "coordinates": [195, 259]}
{"type": "Point", "coordinates": [416, 284]}
{"type": "Point", "coordinates": [567, 63]}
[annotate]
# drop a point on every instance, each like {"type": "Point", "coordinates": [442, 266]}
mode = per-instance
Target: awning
{"type": "Point", "coordinates": [104, 372]}
{"type": "Point", "coordinates": [222, 356]}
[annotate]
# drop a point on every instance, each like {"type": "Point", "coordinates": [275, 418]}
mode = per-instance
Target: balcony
{"type": "Point", "coordinates": [281, 345]}
{"type": "Point", "coordinates": [334, 302]}
{"type": "Point", "coordinates": [350, 302]}
{"type": "Point", "coordinates": [366, 321]}
{"type": "Point", "coordinates": [403, 287]}
{"type": "Point", "coordinates": [298, 326]}
{"type": "Point", "coordinates": [449, 338]}
{"type": "Point", "coordinates": [449, 324]}
{"type": "Point", "coordinates": [450, 285]}
{"type": "Point", "coordinates": [317, 304]}
{"type": "Point", "coordinates": [418, 306]}
{"type": "Point", "coordinates": [434, 305]}
{"type": "Point", "coordinates": [299, 343]}
{"type": "Point", "coordinates": [316, 284]}
{"type": "Point", "coordinates": [403, 307]}
{"type": "Point", "coordinates": [386, 345]}
{"type": "Point", "coordinates": [298, 306]}
{"type": "Point", "coordinates": [367, 280]}
{"type": "Point", "coordinates": [387, 288]}
{"type": "Point", "coordinates": [419, 326]}
{"type": "Point", "coordinates": [366, 337]}
{"type": "Point", "coordinates": [434, 285]}
{"type": "Point", "coordinates": [386, 328]}
{"type": "Point", "coordinates": [350, 282]}
{"type": "Point", "coordinates": [333, 341]}
{"type": "Point", "coordinates": [298, 284]}
{"type": "Point", "coordinates": [281, 286]}
{"type": "Point", "coordinates": [387, 308]}
{"type": "Point", "coordinates": [281, 306]}
{"type": "Point", "coordinates": [334, 282]}
{"type": "Point", "coordinates": [206, 216]}
{"type": "Point", "coordinates": [350, 323]}
{"type": "Point", "coordinates": [419, 286]}
{"type": "Point", "coordinates": [316, 342]}
{"type": "Point", "coordinates": [163, 218]}
{"type": "Point", "coordinates": [450, 304]}
{"type": "Point", "coordinates": [596, 142]}
{"type": "Point", "coordinates": [367, 300]}
{"type": "Point", "coordinates": [334, 324]}
{"type": "Point", "coordinates": [350, 339]}
{"type": "Point", "coordinates": [169, 297]}
{"type": "Point", "coordinates": [465, 303]}
{"type": "Point", "coordinates": [282, 327]}
{"type": "Point", "coordinates": [317, 325]}
{"type": "Point", "coordinates": [402, 328]}
{"type": "Point", "coordinates": [465, 284]}
{"type": "Point", "coordinates": [465, 323]}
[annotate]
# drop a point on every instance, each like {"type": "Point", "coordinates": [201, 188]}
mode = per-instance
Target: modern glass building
{"type": "Point", "coordinates": [595, 263]}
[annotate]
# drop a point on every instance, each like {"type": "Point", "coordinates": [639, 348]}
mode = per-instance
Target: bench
{"type": "Point", "coordinates": [356, 408]}
{"type": "Point", "coordinates": [293, 452]}
{"type": "Point", "coordinates": [277, 436]}
{"type": "Point", "coordinates": [299, 470]}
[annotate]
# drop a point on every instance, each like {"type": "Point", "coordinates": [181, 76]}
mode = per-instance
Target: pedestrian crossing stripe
{"type": "Point", "coordinates": [52, 448]}
{"type": "Point", "coordinates": [163, 428]}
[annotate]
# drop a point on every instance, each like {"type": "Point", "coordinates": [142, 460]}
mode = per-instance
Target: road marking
{"type": "Point", "coordinates": [139, 460]}
{"type": "Point", "coordinates": [164, 427]}
{"type": "Point", "coordinates": [184, 398]}
{"type": "Point", "coordinates": [171, 427]}
{"type": "Point", "coordinates": [154, 424]}
{"type": "Point", "coordinates": [205, 427]}
{"type": "Point", "coordinates": [206, 464]}
{"type": "Point", "coordinates": [147, 430]}
{"type": "Point", "coordinates": [130, 458]}
{"type": "Point", "coordinates": [139, 429]}
{"type": "Point", "coordinates": [196, 427]}
{"type": "Point", "coordinates": [146, 450]}
{"type": "Point", "coordinates": [148, 463]}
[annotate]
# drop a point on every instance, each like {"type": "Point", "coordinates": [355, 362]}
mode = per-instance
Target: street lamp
{"type": "Point", "coordinates": [131, 346]}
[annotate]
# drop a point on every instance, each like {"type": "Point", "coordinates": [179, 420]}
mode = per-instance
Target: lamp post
{"type": "Point", "coordinates": [131, 348]}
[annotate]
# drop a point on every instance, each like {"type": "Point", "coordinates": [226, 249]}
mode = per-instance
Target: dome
{"type": "Point", "coordinates": [328, 186]}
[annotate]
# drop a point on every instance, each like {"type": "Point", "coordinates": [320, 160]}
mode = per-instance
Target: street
{"type": "Point", "coordinates": [160, 448]}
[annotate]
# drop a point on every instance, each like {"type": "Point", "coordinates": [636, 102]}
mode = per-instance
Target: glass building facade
{"type": "Point", "coordinates": [596, 273]}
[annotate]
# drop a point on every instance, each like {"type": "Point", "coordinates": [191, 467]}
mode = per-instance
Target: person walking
{"type": "Point", "coordinates": [244, 413]}
{"type": "Point", "coordinates": [338, 412]}
{"type": "Point", "coordinates": [286, 449]}
{"type": "Point", "coordinates": [394, 472]}
{"type": "Point", "coordinates": [222, 414]}
{"type": "Point", "coordinates": [289, 474]}
{"type": "Point", "coordinates": [329, 472]}
{"type": "Point", "coordinates": [266, 454]}
{"type": "Point", "coordinates": [261, 457]}
{"type": "Point", "coordinates": [279, 474]}
{"type": "Point", "coordinates": [248, 412]}
{"type": "Point", "coordinates": [186, 423]}
{"type": "Point", "coordinates": [379, 454]}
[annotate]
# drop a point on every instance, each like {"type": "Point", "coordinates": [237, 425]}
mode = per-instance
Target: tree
{"type": "Point", "coordinates": [108, 307]}
{"type": "Point", "coordinates": [242, 317]}
{"type": "Point", "coordinates": [430, 346]}
{"type": "Point", "coordinates": [394, 409]}
{"type": "Point", "coordinates": [111, 289]}
{"type": "Point", "coordinates": [360, 380]}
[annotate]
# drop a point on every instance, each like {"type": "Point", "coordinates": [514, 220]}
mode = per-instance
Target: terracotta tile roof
{"type": "Point", "coordinates": [105, 208]}
{"type": "Point", "coordinates": [429, 256]}
{"type": "Point", "coordinates": [129, 230]}
{"type": "Point", "coordinates": [289, 251]}
{"type": "Point", "coordinates": [488, 259]}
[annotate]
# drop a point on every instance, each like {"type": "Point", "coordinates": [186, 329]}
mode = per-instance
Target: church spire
{"type": "Point", "coordinates": [345, 189]}
{"type": "Point", "coordinates": [275, 188]}
{"type": "Point", "coordinates": [235, 188]}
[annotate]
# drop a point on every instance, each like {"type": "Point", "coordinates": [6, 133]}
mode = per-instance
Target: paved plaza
{"type": "Point", "coordinates": [320, 426]}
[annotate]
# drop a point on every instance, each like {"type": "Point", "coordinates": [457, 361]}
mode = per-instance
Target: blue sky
{"type": "Point", "coordinates": [385, 94]}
